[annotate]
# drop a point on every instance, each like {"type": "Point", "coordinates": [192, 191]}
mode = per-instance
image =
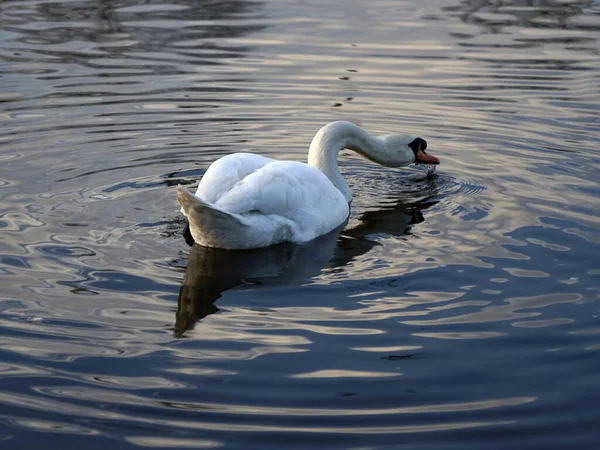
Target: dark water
{"type": "Point", "coordinates": [455, 311]}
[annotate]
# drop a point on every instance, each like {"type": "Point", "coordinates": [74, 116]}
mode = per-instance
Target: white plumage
{"type": "Point", "coordinates": [248, 201]}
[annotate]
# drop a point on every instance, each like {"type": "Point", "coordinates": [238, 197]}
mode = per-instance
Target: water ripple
{"type": "Point", "coordinates": [456, 306]}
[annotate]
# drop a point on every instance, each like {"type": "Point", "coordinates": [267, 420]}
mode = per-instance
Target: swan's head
{"type": "Point", "coordinates": [405, 149]}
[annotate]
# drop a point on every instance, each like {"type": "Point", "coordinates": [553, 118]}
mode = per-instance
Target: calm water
{"type": "Point", "coordinates": [455, 311]}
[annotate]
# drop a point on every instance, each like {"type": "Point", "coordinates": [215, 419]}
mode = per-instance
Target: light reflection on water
{"type": "Point", "coordinates": [458, 308]}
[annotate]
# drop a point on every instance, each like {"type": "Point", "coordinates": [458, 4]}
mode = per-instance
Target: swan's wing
{"type": "Point", "coordinates": [279, 187]}
{"type": "Point", "coordinates": [293, 190]}
{"type": "Point", "coordinates": [225, 172]}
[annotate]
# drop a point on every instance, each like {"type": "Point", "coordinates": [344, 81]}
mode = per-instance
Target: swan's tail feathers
{"type": "Point", "coordinates": [186, 199]}
{"type": "Point", "coordinates": [208, 224]}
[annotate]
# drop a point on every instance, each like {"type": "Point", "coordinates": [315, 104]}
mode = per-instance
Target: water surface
{"type": "Point", "coordinates": [458, 310]}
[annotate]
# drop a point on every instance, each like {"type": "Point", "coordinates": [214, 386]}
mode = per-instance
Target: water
{"type": "Point", "coordinates": [457, 309]}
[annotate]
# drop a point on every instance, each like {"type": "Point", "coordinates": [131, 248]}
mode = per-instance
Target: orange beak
{"type": "Point", "coordinates": [425, 158]}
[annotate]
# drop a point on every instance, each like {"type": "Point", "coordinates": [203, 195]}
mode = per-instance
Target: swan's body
{"type": "Point", "coordinates": [248, 201]}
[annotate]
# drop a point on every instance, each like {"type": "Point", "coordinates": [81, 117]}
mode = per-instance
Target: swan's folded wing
{"type": "Point", "coordinates": [293, 190]}
{"type": "Point", "coordinates": [226, 172]}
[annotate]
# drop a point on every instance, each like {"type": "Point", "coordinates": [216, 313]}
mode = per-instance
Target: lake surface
{"type": "Point", "coordinates": [456, 310]}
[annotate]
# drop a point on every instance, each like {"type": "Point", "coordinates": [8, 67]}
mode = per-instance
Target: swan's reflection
{"type": "Point", "coordinates": [212, 271]}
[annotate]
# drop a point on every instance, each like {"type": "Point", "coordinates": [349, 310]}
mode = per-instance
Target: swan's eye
{"type": "Point", "coordinates": [418, 145]}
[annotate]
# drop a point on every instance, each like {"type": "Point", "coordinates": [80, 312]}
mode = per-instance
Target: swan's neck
{"type": "Point", "coordinates": [332, 138]}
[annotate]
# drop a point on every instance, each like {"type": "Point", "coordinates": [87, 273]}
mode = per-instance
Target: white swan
{"type": "Point", "coordinates": [248, 201]}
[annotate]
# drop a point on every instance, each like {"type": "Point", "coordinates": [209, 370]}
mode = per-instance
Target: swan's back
{"type": "Point", "coordinates": [225, 172]}
{"type": "Point", "coordinates": [260, 201]}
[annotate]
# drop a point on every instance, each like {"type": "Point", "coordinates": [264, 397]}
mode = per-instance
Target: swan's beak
{"type": "Point", "coordinates": [425, 158]}
{"type": "Point", "coordinates": [418, 146]}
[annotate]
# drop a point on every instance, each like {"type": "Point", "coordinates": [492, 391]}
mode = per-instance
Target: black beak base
{"type": "Point", "coordinates": [419, 144]}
